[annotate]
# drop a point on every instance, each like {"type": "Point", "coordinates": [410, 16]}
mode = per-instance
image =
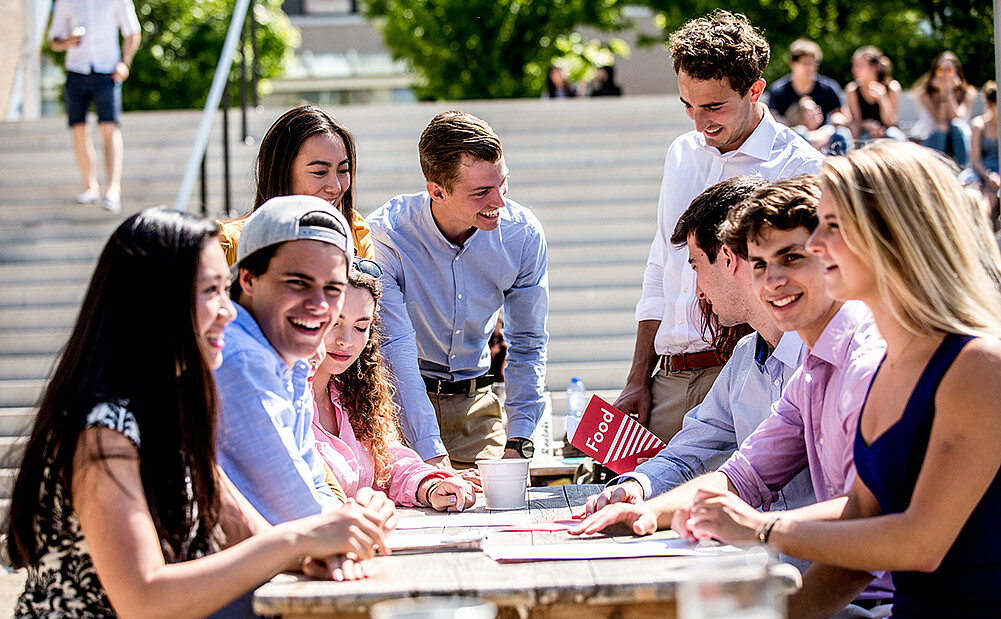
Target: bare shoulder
{"type": "Point", "coordinates": [972, 386]}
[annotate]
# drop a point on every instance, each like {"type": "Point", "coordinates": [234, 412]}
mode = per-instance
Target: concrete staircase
{"type": "Point", "coordinates": [590, 169]}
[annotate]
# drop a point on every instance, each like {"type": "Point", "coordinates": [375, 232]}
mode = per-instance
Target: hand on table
{"type": "Point", "coordinates": [640, 519]}
{"type": "Point", "coordinates": [379, 503]}
{"type": "Point", "coordinates": [627, 492]}
{"type": "Point", "coordinates": [471, 477]}
{"type": "Point", "coordinates": [452, 494]}
{"type": "Point", "coordinates": [722, 516]}
{"type": "Point", "coordinates": [340, 568]}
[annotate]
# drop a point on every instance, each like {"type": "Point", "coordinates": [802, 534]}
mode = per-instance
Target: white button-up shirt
{"type": "Point", "coordinates": [100, 49]}
{"type": "Point", "coordinates": [771, 152]}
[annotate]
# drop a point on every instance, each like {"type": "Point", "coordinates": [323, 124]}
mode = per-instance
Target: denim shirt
{"type": "Point", "coordinates": [266, 444]}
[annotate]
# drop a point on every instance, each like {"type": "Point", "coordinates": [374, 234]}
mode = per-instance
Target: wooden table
{"type": "Point", "coordinates": [620, 588]}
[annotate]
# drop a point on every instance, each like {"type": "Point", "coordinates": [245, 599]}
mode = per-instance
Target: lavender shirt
{"type": "Point", "coordinates": [814, 422]}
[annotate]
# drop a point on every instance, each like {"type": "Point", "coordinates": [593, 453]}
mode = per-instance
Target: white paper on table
{"type": "Point", "coordinates": [605, 550]}
{"type": "Point", "coordinates": [465, 520]}
{"type": "Point", "coordinates": [430, 542]}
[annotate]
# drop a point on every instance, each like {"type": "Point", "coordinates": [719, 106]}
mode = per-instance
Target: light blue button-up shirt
{"type": "Point", "coordinates": [266, 440]}
{"type": "Point", "coordinates": [740, 399]}
{"type": "Point", "coordinates": [440, 302]}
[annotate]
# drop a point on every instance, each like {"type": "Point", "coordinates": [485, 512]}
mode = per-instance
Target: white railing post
{"type": "Point", "coordinates": [212, 105]}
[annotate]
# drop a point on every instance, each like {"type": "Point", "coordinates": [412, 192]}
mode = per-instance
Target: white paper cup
{"type": "Point", "coordinates": [442, 607]}
{"type": "Point", "coordinates": [505, 482]}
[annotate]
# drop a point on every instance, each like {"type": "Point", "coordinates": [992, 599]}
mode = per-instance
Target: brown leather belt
{"type": "Point", "coordinates": [689, 361]}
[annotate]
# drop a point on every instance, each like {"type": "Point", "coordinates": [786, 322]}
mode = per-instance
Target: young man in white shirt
{"type": "Point", "coordinates": [96, 66]}
{"type": "Point", "coordinates": [719, 60]}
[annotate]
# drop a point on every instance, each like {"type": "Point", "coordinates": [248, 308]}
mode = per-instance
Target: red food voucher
{"type": "Point", "coordinates": [613, 438]}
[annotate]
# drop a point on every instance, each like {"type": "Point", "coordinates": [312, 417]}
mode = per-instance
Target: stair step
{"type": "Point", "coordinates": [33, 341]}
{"type": "Point", "coordinates": [29, 295]}
{"type": "Point", "coordinates": [595, 299]}
{"type": "Point", "coordinates": [15, 421]}
{"type": "Point", "coordinates": [20, 393]}
{"type": "Point", "coordinates": [74, 271]}
{"type": "Point", "coordinates": [591, 347]}
{"type": "Point", "coordinates": [11, 451]}
{"type": "Point", "coordinates": [26, 366]}
{"type": "Point", "coordinates": [585, 322]}
{"type": "Point", "coordinates": [595, 374]}
{"type": "Point", "coordinates": [35, 317]}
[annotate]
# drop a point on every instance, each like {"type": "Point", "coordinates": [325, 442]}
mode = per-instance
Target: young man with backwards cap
{"type": "Point", "coordinates": [291, 271]}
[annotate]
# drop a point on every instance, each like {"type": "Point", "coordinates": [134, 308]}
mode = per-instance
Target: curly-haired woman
{"type": "Point", "coordinates": [355, 420]}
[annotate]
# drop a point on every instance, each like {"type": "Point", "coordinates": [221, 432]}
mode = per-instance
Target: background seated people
{"type": "Point", "coordinates": [873, 97]}
{"type": "Point", "coordinates": [825, 124]}
{"type": "Point", "coordinates": [558, 86]}
{"type": "Point", "coordinates": [119, 506]}
{"type": "Point", "coordinates": [809, 425]}
{"type": "Point", "coordinates": [946, 101]}
{"type": "Point", "coordinates": [355, 422]}
{"type": "Point", "coordinates": [984, 152]}
{"type": "Point", "coordinates": [927, 500]}
{"type": "Point", "coordinates": [305, 152]}
{"type": "Point", "coordinates": [603, 84]}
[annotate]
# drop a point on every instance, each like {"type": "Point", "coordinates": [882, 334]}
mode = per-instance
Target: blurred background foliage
{"type": "Point", "coordinates": [181, 44]}
{"type": "Point", "coordinates": [487, 49]}
{"type": "Point", "coordinates": [910, 32]}
{"type": "Point", "coordinates": [466, 49]}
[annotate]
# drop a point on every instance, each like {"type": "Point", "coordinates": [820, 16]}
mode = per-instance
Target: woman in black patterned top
{"type": "Point", "coordinates": [119, 506]}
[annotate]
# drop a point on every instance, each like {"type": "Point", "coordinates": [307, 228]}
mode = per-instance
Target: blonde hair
{"type": "Point", "coordinates": [901, 208]}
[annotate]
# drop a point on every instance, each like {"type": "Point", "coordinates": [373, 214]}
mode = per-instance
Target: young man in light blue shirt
{"type": "Point", "coordinates": [292, 264]}
{"type": "Point", "coordinates": [453, 256]}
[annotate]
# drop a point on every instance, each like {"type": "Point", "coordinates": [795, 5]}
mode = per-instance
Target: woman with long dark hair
{"type": "Point", "coordinates": [355, 421]}
{"type": "Point", "coordinates": [305, 152]}
{"type": "Point", "coordinates": [119, 506]}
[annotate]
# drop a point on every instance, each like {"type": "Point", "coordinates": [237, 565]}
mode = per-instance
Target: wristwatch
{"type": "Point", "coordinates": [523, 446]}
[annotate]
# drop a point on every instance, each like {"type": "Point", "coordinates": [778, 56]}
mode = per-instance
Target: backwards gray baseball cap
{"type": "Point", "coordinates": [279, 220]}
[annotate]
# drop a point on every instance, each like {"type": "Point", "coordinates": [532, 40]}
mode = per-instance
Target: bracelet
{"type": "Point", "coordinates": [764, 530]}
{"type": "Point", "coordinates": [431, 488]}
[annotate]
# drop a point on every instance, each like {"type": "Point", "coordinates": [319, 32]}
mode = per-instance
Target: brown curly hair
{"type": "Point", "coordinates": [366, 389]}
{"type": "Point", "coordinates": [721, 45]}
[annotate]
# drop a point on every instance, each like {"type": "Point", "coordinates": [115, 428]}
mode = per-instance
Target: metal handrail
{"type": "Point", "coordinates": [219, 87]}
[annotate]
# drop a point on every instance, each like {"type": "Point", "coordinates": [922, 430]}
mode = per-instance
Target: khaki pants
{"type": "Point", "coordinates": [471, 426]}
{"type": "Point", "coordinates": [674, 394]}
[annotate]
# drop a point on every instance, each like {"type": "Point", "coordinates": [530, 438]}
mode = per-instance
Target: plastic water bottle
{"type": "Point", "coordinates": [576, 402]}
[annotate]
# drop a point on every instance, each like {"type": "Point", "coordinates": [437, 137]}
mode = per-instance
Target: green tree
{"type": "Point", "coordinates": [181, 44]}
{"type": "Point", "coordinates": [483, 49]}
{"type": "Point", "coordinates": [910, 32]}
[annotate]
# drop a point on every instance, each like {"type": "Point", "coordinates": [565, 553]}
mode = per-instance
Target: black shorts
{"type": "Point", "coordinates": [100, 88]}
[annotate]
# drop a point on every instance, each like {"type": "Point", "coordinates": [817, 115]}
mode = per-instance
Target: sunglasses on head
{"type": "Point", "coordinates": [368, 267]}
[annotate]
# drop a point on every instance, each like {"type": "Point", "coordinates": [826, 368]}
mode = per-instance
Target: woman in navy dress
{"type": "Point", "coordinates": [898, 232]}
